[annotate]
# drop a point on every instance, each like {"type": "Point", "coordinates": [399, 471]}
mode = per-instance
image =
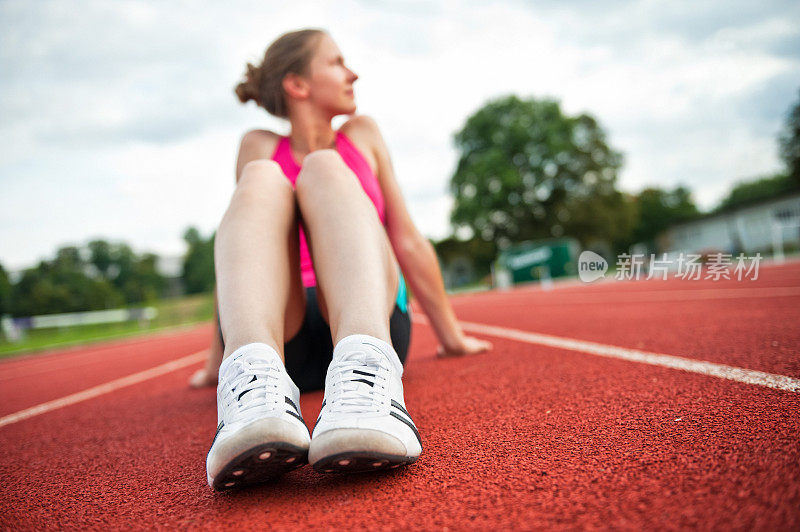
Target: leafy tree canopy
{"type": "Point", "coordinates": [789, 142]}
{"type": "Point", "coordinates": [198, 263]}
{"type": "Point", "coordinates": [659, 209]}
{"type": "Point", "coordinates": [527, 171]}
{"type": "Point", "coordinates": [5, 292]}
{"type": "Point", "coordinates": [103, 275]}
{"type": "Point", "coordinates": [748, 192]}
{"type": "Point", "coordinates": [62, 285]}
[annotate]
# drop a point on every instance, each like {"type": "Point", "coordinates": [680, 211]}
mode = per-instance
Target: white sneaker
{"type": "Point", "coordinates": [363, 424]}
{"type": "Point", "coordinates": [261, 432]}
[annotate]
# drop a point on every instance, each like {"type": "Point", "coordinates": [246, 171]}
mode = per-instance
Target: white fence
{"type": "Point", "coordinates": [14, 328]}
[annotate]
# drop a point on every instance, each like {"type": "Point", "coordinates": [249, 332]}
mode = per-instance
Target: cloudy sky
{"type": "Point", "coordinates": [118, 120]}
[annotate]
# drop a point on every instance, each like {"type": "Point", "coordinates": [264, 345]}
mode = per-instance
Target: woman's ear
{"type": "Point", "coordinates": [295, 86]}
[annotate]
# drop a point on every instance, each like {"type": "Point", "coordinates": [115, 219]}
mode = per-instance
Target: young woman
{"type": "Point", "coordinates": [309, 290]}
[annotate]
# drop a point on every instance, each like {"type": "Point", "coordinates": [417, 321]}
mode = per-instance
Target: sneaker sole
{"type": "Point", "coordinates": [260, 464]}
{"type": "Point", "coordinates": [360, 461]}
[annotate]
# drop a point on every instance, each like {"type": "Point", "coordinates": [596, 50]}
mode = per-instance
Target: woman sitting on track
{"type": "Point", "coordinates": [340, 324]}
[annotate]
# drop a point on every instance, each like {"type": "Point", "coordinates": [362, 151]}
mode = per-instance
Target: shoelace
{"type": "Point", "coordinates": [254, 387]}
{"type": "Point", "coordinates": [349, 394]}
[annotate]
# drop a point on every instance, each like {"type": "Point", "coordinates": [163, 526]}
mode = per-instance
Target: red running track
{"type": "Point", "coordinates": [525, 437]}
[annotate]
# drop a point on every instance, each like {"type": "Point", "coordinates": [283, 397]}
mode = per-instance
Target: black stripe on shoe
{"type": "Point", "coordinates": [398, 405]}
{"type": "Point", "coordinates": [320, 414]}
{"type": "Point", "coordinates": [363, 373]}
{"type": "Point", "coordinates": [289, 401]}
{"type": "Point", "coordinates": [291, 412]}
{"type": "Point", "coordinates": [219, 428]}
{"type": "Point", "coordinates": [406, 421]}
{"type": "Point", "coordinates": [410, 425]}
{"type": "Point", "coordinates": [244, 392]}
{"type": "Point", "coordinates": [364, 381]}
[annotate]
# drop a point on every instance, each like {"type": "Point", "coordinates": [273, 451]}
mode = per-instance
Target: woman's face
{"type": "Point", "coordinates": [331, 82]}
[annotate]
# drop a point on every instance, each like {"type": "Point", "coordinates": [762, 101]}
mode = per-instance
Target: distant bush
{"type": "Point", "coordinates": [198, 263]}
{"type": "Point", "coordinates": [749, 192]}
{"type": "Point", "coordinates": [100, 276]}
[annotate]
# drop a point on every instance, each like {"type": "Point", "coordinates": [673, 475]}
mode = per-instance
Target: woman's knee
{"type": "Point", "coordinates": [322, 159]}
{"type": "Point", "coordinates": [262, 181]}
{"type": "Point", "coordinates": [260, 171]}
{"type": "Point", "coordinates": [322, 169]}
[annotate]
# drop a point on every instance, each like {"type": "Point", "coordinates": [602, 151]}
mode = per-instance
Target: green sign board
{"type": "Point", "coordinates": [540, 260]}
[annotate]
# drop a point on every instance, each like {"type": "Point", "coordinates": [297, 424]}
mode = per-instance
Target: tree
{"type": "Point", "coordinates": [68, 259]}
{"type": "Point", "coordinates": [146, 283]}
{"type": "Point", "coordinates": [789, 142]}
{"type": "Point", "coordinates": [5, 292]}
{"type": "Point", "coordinates": [101, 256]}
{"type": "Point", "coordinates": [480, 251]}
{"type": "Point", "coordinates": [748, 192]}
{"type": "Point", "coordinates": [61, 285]}
{"type": "Point", "coordinates": [136, 277]}
{"type": "Point", "coordinates": [112, 276]}
{"type": "Point", "coordinates": [123, 266]}
{"type": "Point", "coordinates": [198, 264]}
{"type": "Point", "coordinates": [660, 209]}
{"type": "Point", "coordinates": [527, 171]}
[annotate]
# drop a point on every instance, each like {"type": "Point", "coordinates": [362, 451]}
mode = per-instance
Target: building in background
{"type": "Point", "coordinates": [770, 226]}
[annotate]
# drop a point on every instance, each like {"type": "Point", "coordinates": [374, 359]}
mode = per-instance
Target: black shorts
{"type": "Point", "coordinates": [310, 351]}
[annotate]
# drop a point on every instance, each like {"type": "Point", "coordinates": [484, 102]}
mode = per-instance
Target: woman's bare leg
{"type": "Point", "coordinates": [261, 296]}
{"type": "Point", "coordinates": [353, 260]}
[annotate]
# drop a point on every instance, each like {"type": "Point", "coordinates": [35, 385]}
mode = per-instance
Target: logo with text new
{"type": "Point", "coordinates": [591, 266]}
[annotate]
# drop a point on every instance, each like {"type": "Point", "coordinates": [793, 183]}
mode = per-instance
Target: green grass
{"type": "Point", "coordinates": [172, 313]}
{"type": "Point", "coordinates": [477, 286]}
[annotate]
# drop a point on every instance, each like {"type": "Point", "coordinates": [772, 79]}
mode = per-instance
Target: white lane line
{"type": "Point", "coordinates": [591, 298]}
{"type": "Point", "coordinates": [103, 388]}
{"type": "Point", "coordinates": [770, 380]}
{"type": "Point", "coordinates": [84, 355]}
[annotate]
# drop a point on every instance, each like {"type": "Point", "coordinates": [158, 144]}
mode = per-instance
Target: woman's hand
{"type": "Point", "coordinates": [468, 346]}
{"type": "Point", "coordinates": [207, 376]}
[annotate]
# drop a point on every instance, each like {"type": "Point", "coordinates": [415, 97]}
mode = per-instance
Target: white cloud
{"type": "Point", "coordinates": [119, 118]}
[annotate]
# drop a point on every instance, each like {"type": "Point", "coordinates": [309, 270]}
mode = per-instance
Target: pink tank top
{"type": "Point", "coordinates": [356, 162]}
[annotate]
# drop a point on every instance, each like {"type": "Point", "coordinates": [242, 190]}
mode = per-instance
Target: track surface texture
{"type": "Point", "coordinates": [528, 436]}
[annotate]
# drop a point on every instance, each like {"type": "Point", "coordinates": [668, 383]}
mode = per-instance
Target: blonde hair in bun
{"type": "Point", "coordinates": [289, 53]}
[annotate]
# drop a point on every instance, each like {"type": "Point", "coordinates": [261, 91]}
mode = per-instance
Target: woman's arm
{"type": "Point", "coordinates": [415, 253]}
{"type": "Point", "coordinates": [255, 144]}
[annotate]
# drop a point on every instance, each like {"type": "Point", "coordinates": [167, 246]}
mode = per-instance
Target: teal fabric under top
{"type": "Point", "coordinates": [402, 294]}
